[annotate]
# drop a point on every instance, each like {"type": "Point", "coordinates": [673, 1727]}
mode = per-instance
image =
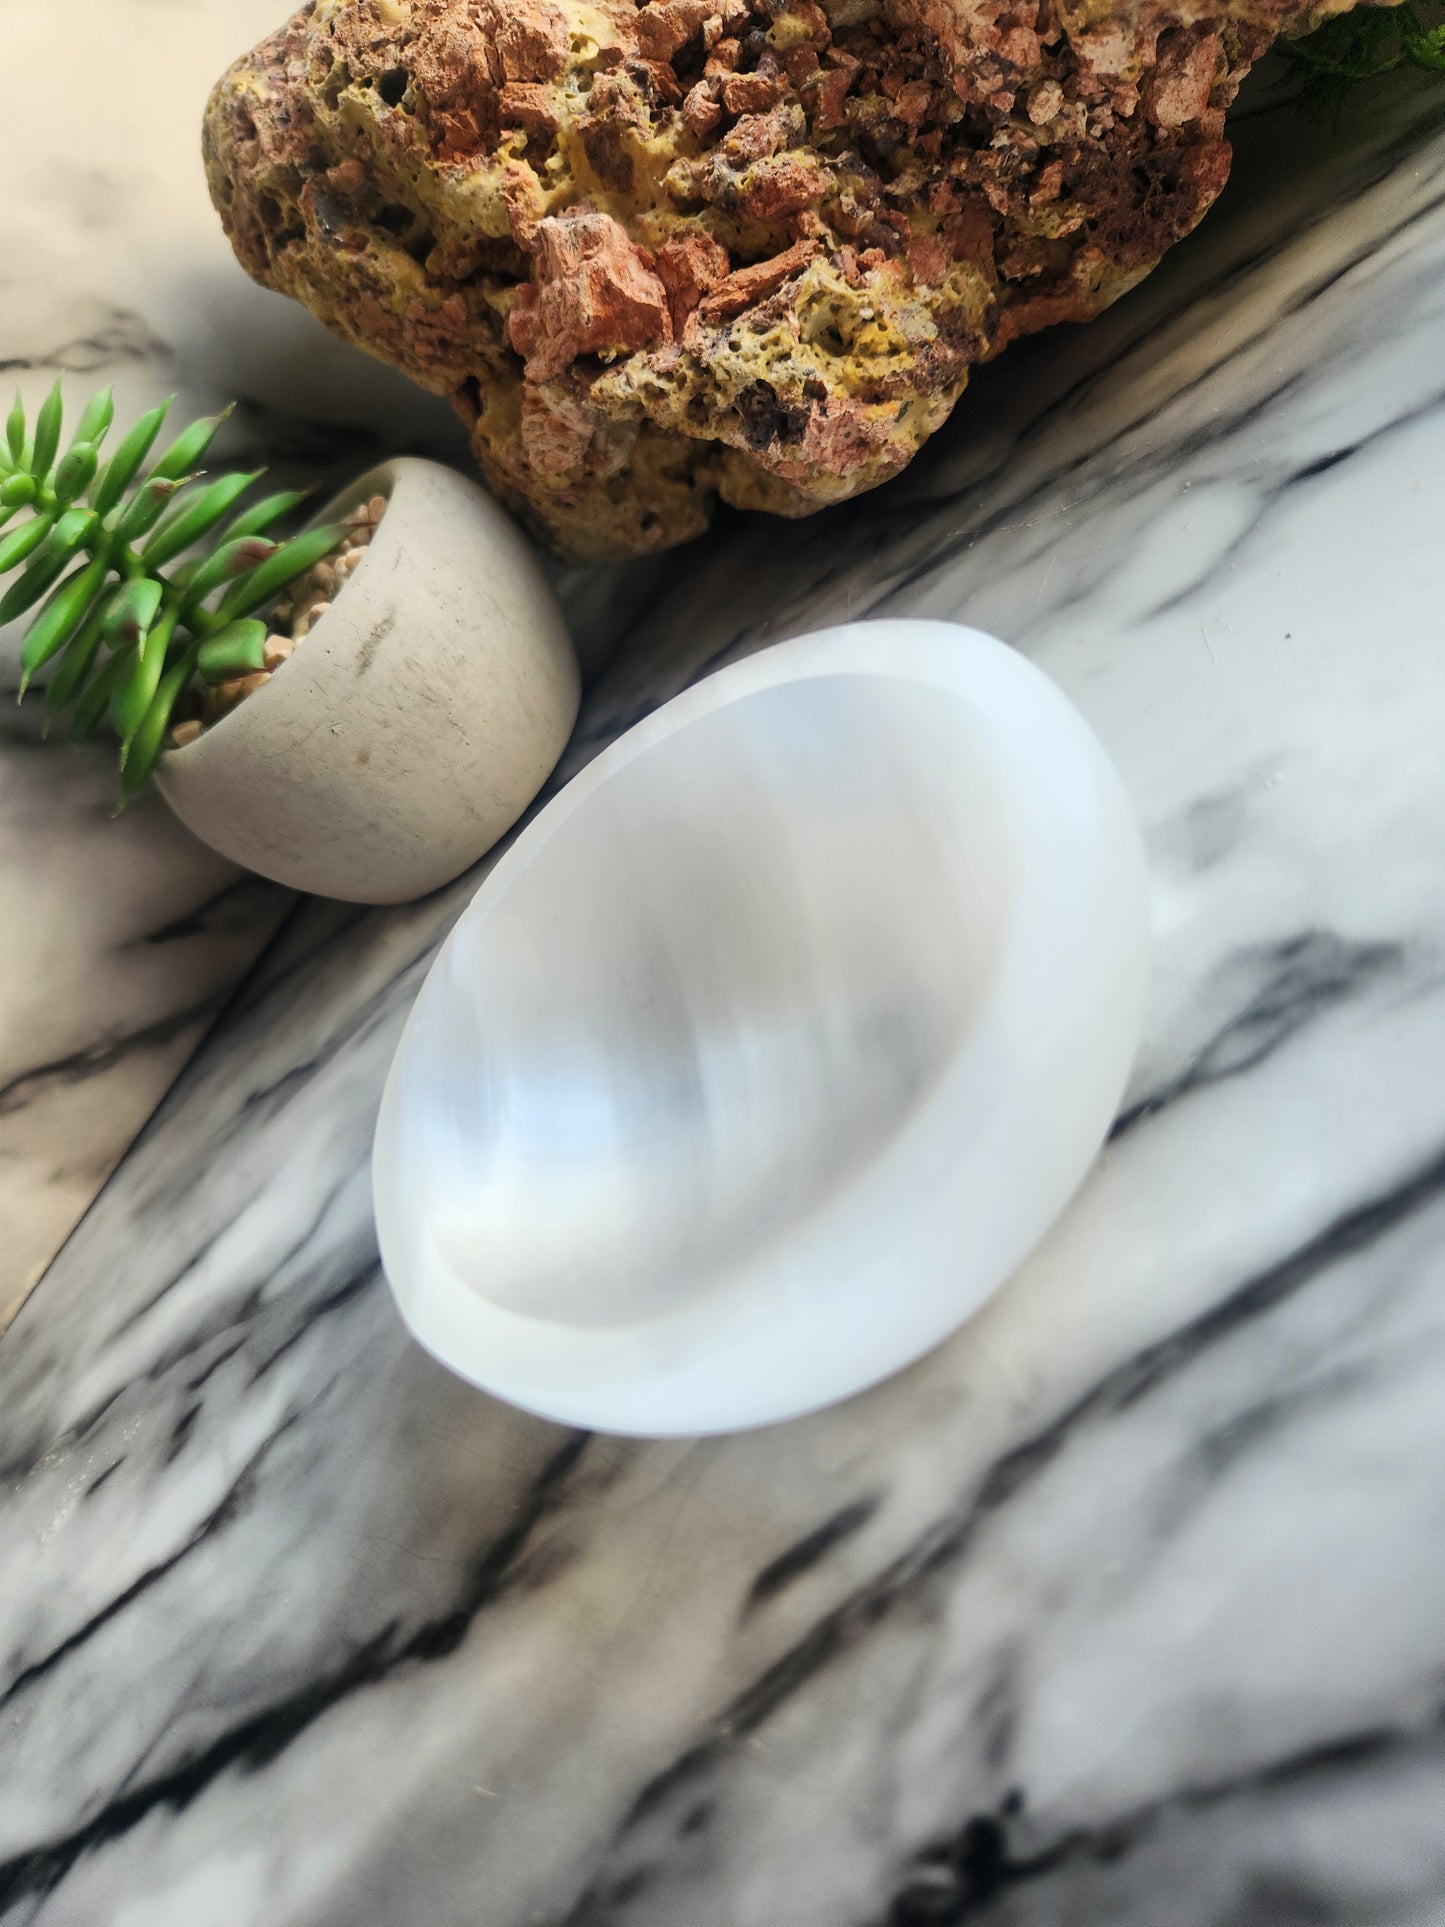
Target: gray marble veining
{"type": "Point", "coordinates": [1126, 1605]}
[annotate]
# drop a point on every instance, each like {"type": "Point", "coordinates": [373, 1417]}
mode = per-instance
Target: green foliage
{"type": "Point", "coordinates": [124, 633]}
{"type": "Point", "coordinates": [1361, 45]}
{"type": "Point", "coordinates": [239, 650]}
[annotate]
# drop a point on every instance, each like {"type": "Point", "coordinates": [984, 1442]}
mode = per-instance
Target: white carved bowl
{"type": "Point", "coordinates": [774, 1044]}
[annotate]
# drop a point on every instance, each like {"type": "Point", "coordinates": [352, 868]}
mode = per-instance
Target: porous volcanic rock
{"type": "Point", "coordinates": [660, 254]}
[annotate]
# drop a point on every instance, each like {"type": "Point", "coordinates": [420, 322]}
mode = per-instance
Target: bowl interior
{"type": "Point", "coordinates": [711, 995]}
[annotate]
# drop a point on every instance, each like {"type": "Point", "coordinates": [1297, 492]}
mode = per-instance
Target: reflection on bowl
{"type": "Point", "coordinates": [775, 1042]}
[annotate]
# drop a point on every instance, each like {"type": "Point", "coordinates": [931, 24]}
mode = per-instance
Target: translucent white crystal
{"type": "Point", "coordinates": [775, 1042]}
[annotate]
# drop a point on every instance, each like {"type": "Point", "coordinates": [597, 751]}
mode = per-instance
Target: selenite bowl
{"type": "Point", "coordinates": [774, 1044]}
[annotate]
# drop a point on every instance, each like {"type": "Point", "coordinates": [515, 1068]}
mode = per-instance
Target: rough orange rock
{"type": "Point", "coordinates": [746, 287]}
{"type": "Point", "coordinates": [748, 249]}
{"type": "Point", "coordinates": [690, 266]}
{"type": "Point", "coordinates": [591, 289]}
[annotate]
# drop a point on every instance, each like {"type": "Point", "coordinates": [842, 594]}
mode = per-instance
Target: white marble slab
{"type": "Point", "coordinates": [1128, 1604]}
{"type": "Point", "coordinates": [120, 942]}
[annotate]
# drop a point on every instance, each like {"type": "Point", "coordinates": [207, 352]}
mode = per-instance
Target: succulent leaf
{"type": "Point", "coordinates": [128, 648]}
{"type": "Point", "coordinates": [190, 446]}
{"type": "Point", "coordinates": [230, 560]}
{"type": "Point", "coordinates": [47, 433]}
{"type": "Point", "coordinates": [52, 628]}
{"type": "Point", "coordinates": [15, 430]}
{"type": "Point", "coordinates": [125, 464]}
{"type": "Point", "coordinates": [95, 422]}
{"type": "Point", "coordinates": [145, 747]}
{"type": "Point", "coordinates": [74, 665]}
{"type": "Point", "coordinates": [131, 611]}
{"type": "Point", "coordinates": [76, 472]}
{"type": "Point", "coordinates": [42, 572]}
{"type": "Point", "coordinates": [238, 650]}
{"type": "Point", "coordinates": [95, 699]}
{"type": "Point", "coordinates": [263, 516]}
{"type": "Point", "coordinates": [290, 560]}
{"type": "Point", "coordinates": [147, 506]}
{"type": "Point", "coordinates": [19, 546]}
{"type": "Point", "coordinates": [136, 688]}
{"type": "Point", "coordinates": [194, 517]}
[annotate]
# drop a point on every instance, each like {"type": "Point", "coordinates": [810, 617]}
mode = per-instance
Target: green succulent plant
{"type": "Point", "coordinates": [147, 579]}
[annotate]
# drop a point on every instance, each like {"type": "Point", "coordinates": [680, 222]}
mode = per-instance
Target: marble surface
{"type": "Point", "coordinates": [1128, 1604]}
{"type": "Point", "coordinates": [121, 941]}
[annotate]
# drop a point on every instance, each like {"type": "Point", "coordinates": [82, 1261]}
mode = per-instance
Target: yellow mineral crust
{"type": "Point", "coordinates": [745, 249]}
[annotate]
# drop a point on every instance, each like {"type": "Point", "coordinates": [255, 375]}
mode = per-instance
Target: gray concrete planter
{"type": "Point", "coordinates": [416, 721]}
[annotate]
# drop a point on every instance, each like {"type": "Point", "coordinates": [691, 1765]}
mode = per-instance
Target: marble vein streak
{"type": "Point", "coordinates": [1128, 1604]}
{"type": "Point", "coordinates": [119, 943]}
